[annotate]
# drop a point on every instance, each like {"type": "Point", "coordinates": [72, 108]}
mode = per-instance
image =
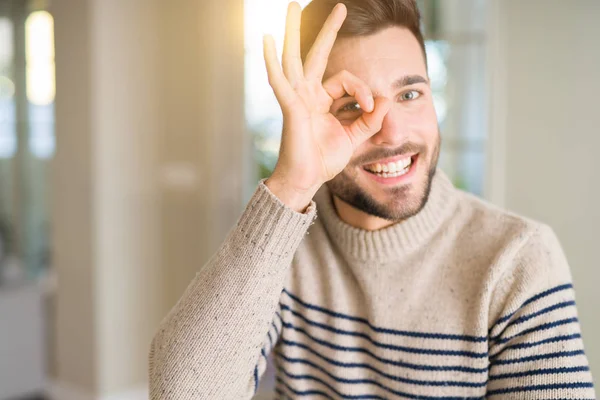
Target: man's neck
{"type": "Point", "coordinates": [358, 218]}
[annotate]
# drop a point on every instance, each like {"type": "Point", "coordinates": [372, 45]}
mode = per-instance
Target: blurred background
{"type": "Point", "coordinates": [132, 132]}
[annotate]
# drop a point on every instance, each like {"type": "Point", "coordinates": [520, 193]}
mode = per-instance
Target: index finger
{"type": "Point", "coordinates": [316, 60]}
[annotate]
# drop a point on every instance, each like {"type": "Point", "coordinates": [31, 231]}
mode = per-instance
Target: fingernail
{"type": "Point", "coordinates": [370, 103]}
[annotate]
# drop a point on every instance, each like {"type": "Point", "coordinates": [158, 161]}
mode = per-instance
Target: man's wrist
{"type": "Point", "coordinates": [296, 199]}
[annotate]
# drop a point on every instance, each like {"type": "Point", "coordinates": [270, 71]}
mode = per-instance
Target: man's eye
{"type": "Point", "coordinates": [350, 107]}
{"type": "Point", "coordinates": [410, 95]}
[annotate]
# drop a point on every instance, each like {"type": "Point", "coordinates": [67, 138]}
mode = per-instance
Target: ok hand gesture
{"type": "Point", "coordinates": [315, 146]}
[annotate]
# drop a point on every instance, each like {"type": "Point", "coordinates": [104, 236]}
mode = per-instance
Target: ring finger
{"type": "Point", "coordinates": [292, 63]}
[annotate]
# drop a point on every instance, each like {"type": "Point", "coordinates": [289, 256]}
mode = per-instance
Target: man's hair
{"type": "Point", "coordinates": [364, 18]}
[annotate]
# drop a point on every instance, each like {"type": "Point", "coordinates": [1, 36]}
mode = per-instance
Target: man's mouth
{"type": "Point", "coordinates": [391, 169]}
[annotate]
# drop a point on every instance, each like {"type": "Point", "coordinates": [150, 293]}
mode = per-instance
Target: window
{"type": "Point", "coordinates": [455, 35]}
{"type": "Point", "coordinates": [8, 123]}
{"type": "Point", "coordinates": [263, 114]}
{"type": "Point", "coordinates": [27, 138]}
{"type": "Point", "coordinates": [41, 87]}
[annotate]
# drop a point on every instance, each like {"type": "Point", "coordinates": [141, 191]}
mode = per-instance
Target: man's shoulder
{"type": "Point", "coordinates": [515, 251]}
{"type": "Point", "coordinates": [484, 222]}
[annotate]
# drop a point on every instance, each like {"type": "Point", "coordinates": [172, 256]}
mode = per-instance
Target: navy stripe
{"type": "Point", "coordinates": [386, 361]}
{"type": "Point", "coordinates": [540, 342]}
{"type": "Point", "coordinates": [552, 386]}
{"type": "Point", "coordinates": [275, 327]}
{"type": "Point", "coordinates": [302, 393]}
{"type": "Point", "coordinates": [255, 378]}
{"type": "Point", "coordinates": [391, 377]}
{"type": "Point", "coordinates": [397, 393]}
{"type": "Point", "coordinates": [524, 318]}
{"type": "Point", "coordinates": [546, 310]}
{"type": "Point", "coordinates": [280, 392]}
{"type": "Point", "coordinates": [541, 327]}
{"type": "Point", "coordinates": [468, 338]}
{"type": "Point", "coordinates": [262, 352]}
{"type": "Point", "coordinates": [532, 299]}
{"type": "Point", "coordinates": [270, 340]}
{"type": "Point", "coordinates": [539, 357]}
{"type": "Point", "coordinates": [414, 350]}
{"type": "Point", "coordinates": [544, 371]}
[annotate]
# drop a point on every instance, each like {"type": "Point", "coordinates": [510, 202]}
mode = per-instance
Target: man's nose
{"type": "Point", "coordinates": [393, 129]}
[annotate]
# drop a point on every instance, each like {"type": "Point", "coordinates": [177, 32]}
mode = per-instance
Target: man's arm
{"type": "Point", "coordinates": [536, 348]}
{"type": "Point", "coordinates": [211, 344]}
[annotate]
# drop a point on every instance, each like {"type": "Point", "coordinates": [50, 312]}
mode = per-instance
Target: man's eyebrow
{"type": "Point", "coordinates": [409, 80]}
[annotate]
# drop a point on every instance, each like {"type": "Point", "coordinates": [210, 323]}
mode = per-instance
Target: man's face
{"type": "Point", "coordinates": [391, 63]}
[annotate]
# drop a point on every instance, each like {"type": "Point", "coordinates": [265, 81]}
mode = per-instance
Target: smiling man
{"type": "Point", "coordinates": [390, 175]}
{"type": "Point", "coordinates": [357, 265]}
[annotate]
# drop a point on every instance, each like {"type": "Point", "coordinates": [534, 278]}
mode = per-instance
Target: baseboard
{"type": "Point", "coordinates": [61, 391]}
{"type": "Point", "coordinates": [140, 393]}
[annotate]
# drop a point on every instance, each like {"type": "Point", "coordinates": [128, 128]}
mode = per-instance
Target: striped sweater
{"type": "Point", "coordinates": [461, 301]}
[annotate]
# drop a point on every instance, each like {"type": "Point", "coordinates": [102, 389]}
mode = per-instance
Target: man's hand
{"type": "Point", "coordinates": [315, 146]}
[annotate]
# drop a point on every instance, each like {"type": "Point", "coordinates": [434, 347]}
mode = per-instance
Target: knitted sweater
{"type": "Point", "coordinates": [461, 301]}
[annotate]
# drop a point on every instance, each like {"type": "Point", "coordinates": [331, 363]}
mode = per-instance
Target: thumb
{"type": "Point", "coordinates": [369, 123]}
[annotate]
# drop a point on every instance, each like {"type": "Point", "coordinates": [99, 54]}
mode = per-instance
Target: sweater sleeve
{"type": "Point", "coordinates": [211, 344]}
{"type": "Point", "coordinates": [535, 344]}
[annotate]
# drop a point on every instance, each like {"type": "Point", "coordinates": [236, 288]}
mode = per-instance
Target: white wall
{"type": "Point", "coordinates": [106, 204]}
{"type": "Point", "coordinates": [546, 108]}
{"type": "Point", "coordinates": [146, 179]}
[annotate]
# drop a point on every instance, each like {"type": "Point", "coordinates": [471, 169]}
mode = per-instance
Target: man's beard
{"type": "Point", "coordinates": [407, 200]}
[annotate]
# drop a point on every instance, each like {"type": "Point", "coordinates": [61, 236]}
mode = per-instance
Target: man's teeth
{"type": "Point", "coordinates": [391, 170]}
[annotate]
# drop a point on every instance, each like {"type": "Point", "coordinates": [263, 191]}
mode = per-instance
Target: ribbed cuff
{"type": "Point", "coordinates": [271, 226]}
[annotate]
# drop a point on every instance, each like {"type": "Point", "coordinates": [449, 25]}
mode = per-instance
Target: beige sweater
{"type": "Point", "coordinates": [462, 301]}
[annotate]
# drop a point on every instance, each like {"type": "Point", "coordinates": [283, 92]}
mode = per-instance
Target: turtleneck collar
{"type": "Point", "coordinates": [395, 241]}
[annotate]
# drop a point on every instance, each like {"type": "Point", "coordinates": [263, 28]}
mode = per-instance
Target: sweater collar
{"type": "Point", "coordinates": [395, 241]}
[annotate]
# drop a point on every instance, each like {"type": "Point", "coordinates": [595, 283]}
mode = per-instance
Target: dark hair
{"type": "Point", "coordinates": [365, 17]}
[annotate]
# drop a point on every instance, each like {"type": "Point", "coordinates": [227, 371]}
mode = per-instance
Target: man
{"type": "Point", "coordinates": [403, 287]}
